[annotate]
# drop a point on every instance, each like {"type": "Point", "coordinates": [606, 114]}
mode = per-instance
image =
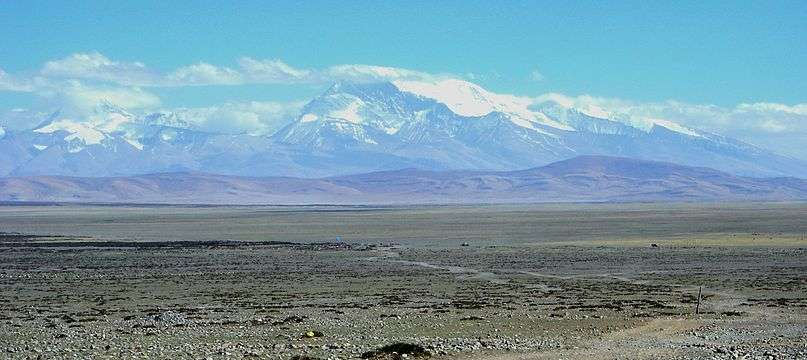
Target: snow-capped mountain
{"type": "Point", "coordinates": [456, 124]}
{"type": "Point", "coordinates": [353, 128]}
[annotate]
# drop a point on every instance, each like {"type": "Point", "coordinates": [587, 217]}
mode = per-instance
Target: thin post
{"type": "Point", "coordinates": [698, 306]}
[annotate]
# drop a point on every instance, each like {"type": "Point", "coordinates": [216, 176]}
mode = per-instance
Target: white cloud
{"type": "Point", "coordinates": [94, 66]}
{"type": "Point", "coordinates": [773, 126]}
{"type": "Point", "coordinates": [82, 99]}
{"type": "Point", "coordinates": [272, 71]}
{"type": "Point", "coordinates": [370, 73]}
{"type": "Point", "coordinates": [97, 68]}
{"type": "Point", "coordinates": [204, 74]}
{"type": "Point", "coordinates": [254, 117]}
{"type": "Point", "coordinates": [276, 71]}
{"type": "Point", "coordinates": [10, 83]}
{"type": "Point", "coordinates": [799, 109]}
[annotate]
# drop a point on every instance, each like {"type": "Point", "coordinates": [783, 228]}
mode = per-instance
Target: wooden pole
{"type": "Point", "coordinates": [698, 306]}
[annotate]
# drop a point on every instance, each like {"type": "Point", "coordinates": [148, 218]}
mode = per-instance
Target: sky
{"type": "Point", "coordinates": [738, 68]}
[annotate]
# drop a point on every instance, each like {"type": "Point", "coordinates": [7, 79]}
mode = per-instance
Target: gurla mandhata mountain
{"type": "Point", "coordinates": [365, 127]}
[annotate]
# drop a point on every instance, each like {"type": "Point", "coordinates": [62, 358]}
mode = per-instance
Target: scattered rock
{"type": "Point", "coordinates": [397, 351]}
{"type": "Point", "coordinates": [289, 320]}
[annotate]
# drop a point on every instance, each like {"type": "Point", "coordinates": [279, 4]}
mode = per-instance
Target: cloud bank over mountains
{"type": "Point", "coordinates": [77, 83]}
{"type": "Point", "coordinates": [97, 67]}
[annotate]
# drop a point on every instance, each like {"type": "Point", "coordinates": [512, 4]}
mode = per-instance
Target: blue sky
{"type": "Point", "coordinates": [719, 54]}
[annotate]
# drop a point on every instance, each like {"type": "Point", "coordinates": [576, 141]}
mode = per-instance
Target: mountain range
{"type": "Point", "coordinates": [355, 128]}
{"type": "Point", "coordinates": [585, 178]}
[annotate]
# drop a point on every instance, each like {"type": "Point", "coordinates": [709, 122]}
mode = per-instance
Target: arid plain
{"type": "Point", "coordinates": [550, 281]}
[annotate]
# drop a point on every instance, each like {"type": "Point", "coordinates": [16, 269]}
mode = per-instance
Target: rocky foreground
{"type": "Point", "coordinates": [83, 298]}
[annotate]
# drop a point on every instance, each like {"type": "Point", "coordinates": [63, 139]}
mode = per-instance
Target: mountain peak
{"type": "Point", "coordinates": [107, 107]}
{"type": "Point", "coordinates": [462, 97]}
{"type": "Point", "coordinates": [471, 100]}
{"type": "Point", "coordinates": [168, 119]}
{"type": "Point", "coordinates": [45, 122]}
{"type": "Point", "coordinates": [336, 87]}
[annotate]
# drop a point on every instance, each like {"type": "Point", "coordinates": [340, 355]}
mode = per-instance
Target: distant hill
{"type": "Point", "coordinates": [585, 178]}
